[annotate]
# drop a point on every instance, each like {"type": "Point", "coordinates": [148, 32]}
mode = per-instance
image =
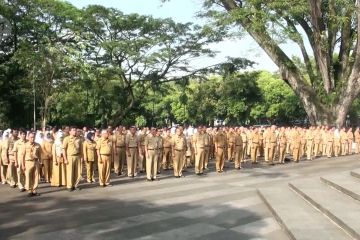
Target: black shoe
{"type": "Point", "coordinates": [35, 194]}
{"type": "Point", "coordinates": [155, 179]}
{"type": "Point", "coordinates": [158, 172]}
{"type": "Point", "coordinates": [22, 190]}
{"type": "Point", "coordinates": [13, 186]}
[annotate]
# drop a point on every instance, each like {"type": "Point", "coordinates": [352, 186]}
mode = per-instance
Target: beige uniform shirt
{"type": "Point", "coordinates": [89, 150]}
{"type": "Point", "coordinates": [104, 146]}
{"type": "Point", "coordinates": [179, 142]}
{"type": "Point", "coordinates": [72, 145]}
{"type": "Point", "coordinates": [220, 140]}
{"type": "Point", "coordinates": [132, 141]}
{"type": "Point", "coordinates": [152, 142]}
{"type": "Point", "coordinates": [31, 151]}
{"type": "Point", "coordinates": [119, 139]}
{"type": "Point", "coordinates": [19, 148]}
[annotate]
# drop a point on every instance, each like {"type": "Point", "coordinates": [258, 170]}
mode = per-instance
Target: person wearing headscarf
{"type": "Point", "coordinates": [89, 151]}
{"type": "Point", "coordinates": [46, 156]}
{"type": "Point", "coordinates": [4, 157]}
{"type": "Point", "coordinates": [58, 176]}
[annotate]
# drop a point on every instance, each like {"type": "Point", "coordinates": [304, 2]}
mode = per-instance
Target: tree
{"type": "Point", "coordinates": [329, 86]}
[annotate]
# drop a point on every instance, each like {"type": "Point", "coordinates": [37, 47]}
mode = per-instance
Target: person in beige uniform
{"type": "Point", "coordinates": [58, 177]}
{"type": "Point", "coordinates": [296, 144]}
{"type": "Point", "coordinates": [132, 152]}
{"type": "Point", "coordinates": [244, 144]}
{"type": "Point", "coordinates": [179, 147]}
{"type": "Point", "coordinates": [330, 142]}
{"type": "Point", "coordinates": [160, 152]}
{"type": "Point", "coordinates": [199, 140]}
{"type": "Point", "coordinates": [254, 142]}
{"type": "Point", "coordinates": [46, 156]}
{"type": "Point", "coordinates": [90, 155]}
{"type": "Point", "coordinates": [230, 147]}
{"type": "Point", "coordinates": [357, 140]}
{"type": "Point", "coordinates": [309, 143]}
{"type": "Point", "coordinates": [207, 149]}
{"type": "Point", "coordinates": [220, 149]}
{"type": "Point", "coordinates": [343, 141]}
{"type": "Point", "coordinates": [317, 141]}
{"type": "Point", "coordinates": [167, 156]}
{"type": "Point", "coordinates": [119, 149]}
{"type": "Point", "coordinates": [350, 137]}
{"type": "Point", "coordinates": [238, 148]}
{"type": "Point", "coordinates": [18, 148]}
{"type": "Point", "coordinates": [337, 143]}
{"type": "Point", "coordinates": [282, 139]}
{"type": "Point", "coordinates": [270, 140]}
{"type": "Point", "coordinates": [8, 147]}
{"type": "Point", "coordinates": [104, 154]}
{"type": "Point", "coordinates": [30, 164]}
{"type": "Point", "coordinates": [152, 144]}
{"type": "Point", "coordinates": [72, 158]}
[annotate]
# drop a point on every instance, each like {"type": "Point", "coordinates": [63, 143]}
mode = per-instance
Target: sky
{"type": "Point", "coordinates": [185, 11]}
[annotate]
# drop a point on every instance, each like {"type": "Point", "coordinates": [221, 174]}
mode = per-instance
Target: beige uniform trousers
{"type": "Point", "coordinates": [73, 171]}
{"type": "Point", "coordinates": [199, 159]}
{"type": "Point", "coordinates": [178, 162]}
{"type": "Point", "coordinates": [119, 159]}
{"type": "Point", "coordinates": [32, 175]}
{"type": "Point", "coordinates": [104, 166]}
{"type": "Point", "coordinates": [132, 161]}
{"type": "Point", "coordinates": [152, 164]}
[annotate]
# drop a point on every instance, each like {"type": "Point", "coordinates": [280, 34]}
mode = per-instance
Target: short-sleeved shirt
{"type": "Point", "coordinates": [72, 145]}
{"type": "Point", "coordinates": [31, 151]}
{"type": "Point", "coordinates": [19, 148]}
{"type": "Point", "coordinates": [119, 139]}
{"type": "Point", "coordinates": [89, 149]}
{"type": "Point", "coordinates": [179, 142]}
{"type": "Point", "coordinates": [152, 142]}
{"type": "Point", "coordinates": [104, 146]}
{"type": "Point", "coordinates": [132, 141]}
{"type": "Point", "coordinates": [220, 140]}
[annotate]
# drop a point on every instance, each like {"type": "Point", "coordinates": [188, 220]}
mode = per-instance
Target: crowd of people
{"type": "Point", "coordinates": [58, 156]}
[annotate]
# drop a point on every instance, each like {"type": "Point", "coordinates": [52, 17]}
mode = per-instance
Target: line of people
{"type": "Point", "coordinates": [58, 156]}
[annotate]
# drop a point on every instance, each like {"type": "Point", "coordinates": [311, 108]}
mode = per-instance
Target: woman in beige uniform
{"type": "Point", "coordinates": [89, 151]}
{"type": "Point", "coordinates": [58, 177]}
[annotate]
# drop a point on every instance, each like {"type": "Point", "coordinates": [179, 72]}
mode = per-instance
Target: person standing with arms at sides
{"type": "Point", "coordinates": [254, 141]}
{"type": "Point", "coordinates": [58, 177]}
{"type": "Point", "coordinates": [160, 152]}
{"type": "Point", "coordinates": [4, 157]}
{"type": "Point", "coordinates": [199, 146]}
{"type": "Point", "coordinates": [207, 149]}
{"type": "Point", "coordinates": [282, 145]}
{"type": "Point", "coordinates": [167, 157]}
{"type": "Point", "coordinates": [244, 143]}
{"type": "Point", "coordinates": [46, 156]}
{"type": "Point", "coordinates": [104, 153]}
{"type": "Point", "coordinates": [220, 148]}
{"type": "Point", "coordinates": [72, 157]}
{"type": "Point", "coordinates": [238, 148]}
{"type": "Point", "coordinates": [141, 159]}
{"type": "Point", "coordinates": [152, 143]}
{"type": "Point", "coordinates": [317, 141]}
{"type": "Point", "coordinates": [350, 136]}
{"type": "Point", "coordinates": [18, 148]}
{"type": "Point", "coordinates": [357, 140]}
{"type": "Point", "coordinates": [179, 147]}
{"type": "Point", "coordinates": [343, 141]}
{"type": "Point", "coordinates": [271, 141]}
{"type": "Point", "coordinates": [337, 143]}
{"type": "Point", "coordinates": [8, 147]}
{"type": "Point", "coordinates": [119, 150]}
{"type": "Point", "coordinates": [30, 164]}
{"type": "Point", "coordinates": [132, 152]}
{"type": "Point", "coordinates": [90, 154]}
{"type": "Point", "coordinates": [309, 143]}
{"type": "Point", "coordinates": [330, 143]}
{"type": "Point", "coordinates": [296, 144]}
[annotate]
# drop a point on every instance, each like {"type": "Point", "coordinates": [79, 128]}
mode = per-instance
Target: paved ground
{"type": "Point", "coordinates": [213, 206]}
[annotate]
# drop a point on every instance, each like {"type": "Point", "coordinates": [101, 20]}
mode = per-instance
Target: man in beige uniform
{"type": "Point", "coordinates": [238, 149]}
{"type": "Point", "coordinates": [317, 141]}
{"type": "Point", "coordinates": [8, 146]}
{"type": "Point", "coordinates": [350, 136]}
{"type": "Point", "coordinates": [200, 140]}
{"type": "Point", "coordinates": [357, 140]}
{"type": "Point", "coordinates": [152, 143]}
{"type": "Point", "coordinates": [30, 164]}
{"type": "Point", "coordinates": [296, 144]}
{"type": "Point", "coordinates": [104, 149]}
{"type": "Point", "coordinates": [330, 142]}
{"type": "Point", "coordinates": [343, 141]}
{"type": "Point", "coordinates": [207, 149]}
{"type": "Point", "coordinates": [309, 143]}
{"type": "Point", "coordinates": [167, 157]}
{"type": "Point", "coordinates": [72, 148]}
{"type": "Point", "coordinates": [244, 143]}
{"type": "Point", "coordinates": [230, 141]}
{"type": "Point", "coordinates": [119, 149]}
{"type": "Point", "coordinates": [132, 151]}
{"type": "Point", "coordinates": [254, 142]}
{"type": "Point", "coordinates": [270, 140]}
{"type": "Point", "coordinates": [282, 139]}
{"type": "Point", "coordinates": [220, 148]}
{"type": "Point", "coordinates": [179, 147]}
{"type": "Point", "coordinates": [18, 153]}
{"type": "Point", "coordinates": [141, 160]}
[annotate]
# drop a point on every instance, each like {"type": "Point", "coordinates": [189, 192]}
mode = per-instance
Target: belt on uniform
{"type": "Point", "coordinates": [151, 149]}
{"type": "Point", "coordinates": [105, 154]}
{"type": "Point", "coordinates": [73, 155]}
{"type": "Point", "coordinates": [120, 146]}
{"type": "Point", "coordinates": [132, 147]}
{"type": "Point", "coordinates": [221, 147]}
{"type": "Point", "coordinates": [167, 147]}
{"type": "Point", "coordinates": [238, 145]}
{"type": "Point", "coordinates": [31, 160]}
{"type": "Point", "coordinates": [178, 150]}
{"type": "Point", "coordinates": [200, 147]}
